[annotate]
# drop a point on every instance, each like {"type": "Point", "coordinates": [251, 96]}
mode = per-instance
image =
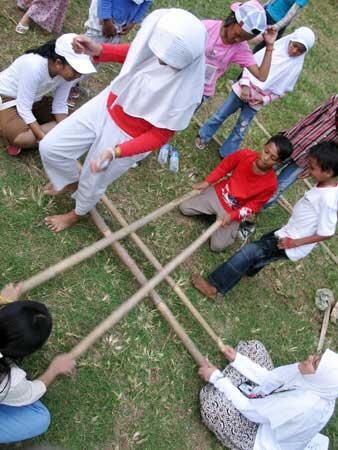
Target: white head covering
{"type": "Point", "coordinates": [164, 95]}
{"type": "Point", "coordinates": [299, 413]}
{"type": "Point", "coordinates": [285, 70]}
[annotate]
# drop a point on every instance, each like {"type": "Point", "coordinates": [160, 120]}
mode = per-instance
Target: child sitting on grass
{"type": "Point", "coordinates": [251, 184]}
{"type": "Point", "coordinates": [24, 328]}
{"type": "Point", "coordinates": [314, 219]}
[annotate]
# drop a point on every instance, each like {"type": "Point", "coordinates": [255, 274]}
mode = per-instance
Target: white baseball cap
{"type": "Point", "coordinates": [79, 62]}
{"type": "Point", "coordinates": [252, 14]}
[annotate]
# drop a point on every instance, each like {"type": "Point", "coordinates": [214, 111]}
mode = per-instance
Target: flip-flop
{"type": "Point", "coordinates": [199, 143]}
{"type": "Point", "coordinates": [21, 29]}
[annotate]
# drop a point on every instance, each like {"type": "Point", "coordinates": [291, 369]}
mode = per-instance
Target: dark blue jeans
{"type": "Point", "coordinates": [249, 260]}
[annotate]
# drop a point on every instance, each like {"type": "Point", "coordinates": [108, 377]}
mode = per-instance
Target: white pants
{"type": "Point", "coordinates": [91, 129]}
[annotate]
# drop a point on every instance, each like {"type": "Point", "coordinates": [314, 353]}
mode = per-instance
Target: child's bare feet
{"type": "Point", "coordinates": [50, 190]}
{"type": "Point", "coordinates": [203, 286]}
{"type": "Point", "coordinates": [61, 221]}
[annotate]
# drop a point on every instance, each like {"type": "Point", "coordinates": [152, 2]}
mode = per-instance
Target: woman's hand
{"type": "Point", "coordinates": [245, 93]}
{"type": "Point", "coordinates": [270, 35]}
{"type": "Point", "coordinates": [10, 293]}
{"type": "Point", "coordinates": [226, 220]}
{"type": "Point", "coordinates": [63, 365]}
{"type": "Point", "coordinates": [257, 101]}
{"type": "Point", "coordinates": [206, 371]}
{"type": "Point", "coordinates": [201, 186]}
{"type": "Point", "coordinates": [230, 353]}
{"type": "Point", "coordinates": [83, 44]}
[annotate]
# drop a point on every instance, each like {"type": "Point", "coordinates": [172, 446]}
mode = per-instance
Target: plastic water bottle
{"type": "Point", "coordinates": [174, 164]}
{"type": "Point", "coordinates": [163, 154]}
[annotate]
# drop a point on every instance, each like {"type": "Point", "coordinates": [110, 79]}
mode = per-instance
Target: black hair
{"type": "Point", "coordinates": [47, 50]}
{"type": "Point", "coordinates": [231, 20]}
{"type": "Point", "coordinates": [283, 144]}
{"type": "Point", "coordinates": [326, 155]}
{"type": "Point", "coordinates": [24, 328]}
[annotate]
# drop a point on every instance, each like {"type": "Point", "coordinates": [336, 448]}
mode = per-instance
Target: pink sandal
{"type": "Point", "coordinates": [21, 29]}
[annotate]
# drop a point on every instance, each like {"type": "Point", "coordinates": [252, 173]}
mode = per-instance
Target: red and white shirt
{"type": "Point", "coordinates": [145, 137]}
{"type": "Point", "coordinates": [244, 192]}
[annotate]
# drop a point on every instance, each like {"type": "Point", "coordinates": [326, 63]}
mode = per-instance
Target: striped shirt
{"type": "Point", "coordinates": [320, 125]}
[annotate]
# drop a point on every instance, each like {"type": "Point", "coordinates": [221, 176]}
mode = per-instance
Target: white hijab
{"type": "Point", "coordinates": [164, 95]}
{"type": "Point", "coordinates": [285, 70]}
{"type": "Point", "coordinates": [298, 414]}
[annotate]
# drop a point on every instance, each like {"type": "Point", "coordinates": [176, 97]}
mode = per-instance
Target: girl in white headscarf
{"type": "Point", "coordinates": [250, 95]}
{"type": "Point", "coordinates": [156, 93]}
{"type": "Point", "coordinates": [290, 404]}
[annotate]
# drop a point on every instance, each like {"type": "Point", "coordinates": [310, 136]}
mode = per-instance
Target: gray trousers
{"type": "Point", "coordinates": [208, 203]}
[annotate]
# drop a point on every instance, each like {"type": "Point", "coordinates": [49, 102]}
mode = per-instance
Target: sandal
{"type": "Point", "coordinates": [199, 143]}
{"type": "Point", "coordinates": [21, 29]}
{"type": "Point", "coordinates": [13, 151]}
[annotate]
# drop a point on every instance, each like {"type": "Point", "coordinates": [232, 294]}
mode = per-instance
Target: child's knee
{"type": "Point", "coordinates": [216, 246]}
{"type": "Point", "coordinates": [185, 209]}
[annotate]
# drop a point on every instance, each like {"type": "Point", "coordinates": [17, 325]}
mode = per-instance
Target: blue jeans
{"type": "Point", "coordinates": [230, 106]}
{"type": "Point", "coordinates": [249, 260]}
{"type": "Point", "coordinates": [18, 423]}
{"type": "Point", "coordinates": [287, 174]}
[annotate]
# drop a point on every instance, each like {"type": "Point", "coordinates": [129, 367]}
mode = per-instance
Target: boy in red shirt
{"type": "Point", "coordinates": [235, 197]}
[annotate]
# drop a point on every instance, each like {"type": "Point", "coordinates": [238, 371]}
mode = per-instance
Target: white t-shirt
{"type": "Point", "coordinates": [27, 80]}
{"type": "Point", "coordinates": [21, 391]}
{"type": "Point", "coordinates": [314, 213]}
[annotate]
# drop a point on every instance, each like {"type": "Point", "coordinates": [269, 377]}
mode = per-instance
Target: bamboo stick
{"type": "Point", "coordinates": [156, 263]}
{"type": "Point", "coordinates": [87, 252]}
{"type": "Point", "coordinates": [123, 309]}
{"type": "Point", "coordinates": [157, 300]}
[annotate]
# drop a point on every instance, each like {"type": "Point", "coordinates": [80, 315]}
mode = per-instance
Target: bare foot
{"type": "Point", "coordinates": [50, 190]}
{"type": "Point", "coordinates": [61, 221]}
{"type": "Point", "coordinates": [203, 286]}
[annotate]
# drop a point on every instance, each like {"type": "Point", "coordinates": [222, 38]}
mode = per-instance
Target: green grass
{"type": "Point", "coordinates": [138, 387]}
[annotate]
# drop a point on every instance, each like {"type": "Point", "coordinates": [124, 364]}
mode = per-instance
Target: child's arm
{"type": "Point", "coordinates": [10, 293]}
{"type": "Point", "coordinates": [285, 243]}
{"type": "Point", "coordinates": [214, 376]}
{"type": "Point", "coordinates": [100, 52]}
{"type": "Point", "coordinates": [289, 17]}
{"type": "Point", "coordinates": [261, 72]}
{"type": "Point", "coordinates": [61, 365]}
{"type": "Point", "coordinates": [225, 167]}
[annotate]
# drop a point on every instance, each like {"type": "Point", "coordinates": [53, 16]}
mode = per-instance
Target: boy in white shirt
{"type": "Point", "coordinates": [313, 219]}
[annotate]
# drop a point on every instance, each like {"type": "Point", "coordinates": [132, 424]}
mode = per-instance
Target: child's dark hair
{"type": "Point", "coordinates": [283, 144]}
{"type": "Point", "coordinates": [24, 328]}
{"type": "Point", "coordinates": [326, 155]}
{"type": "Point", "coordinates": [47, 50]}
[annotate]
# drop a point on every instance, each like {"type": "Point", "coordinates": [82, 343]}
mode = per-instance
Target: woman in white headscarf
{"type": "Point", "coordinates": [284, 411]}
{"type": "Point", "coordinates": [159, 87]}
{"type": "Point", "coordinates": [250, 95]}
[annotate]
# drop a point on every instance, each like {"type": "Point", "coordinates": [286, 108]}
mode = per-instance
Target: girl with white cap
{"type": "Point", "coordinates": [156, 93]}
{"type": "Point", "coordinates": [227, 43]}
{"type": "Point", "coordinates": [249, 94]}
{"type": "Point", "coordinates": [283, 409]}
{"type": "Point", "coordinates": [26, 115]}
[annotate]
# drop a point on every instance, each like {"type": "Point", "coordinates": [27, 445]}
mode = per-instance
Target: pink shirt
{"type": "Point", "coordinates": [220, 56]}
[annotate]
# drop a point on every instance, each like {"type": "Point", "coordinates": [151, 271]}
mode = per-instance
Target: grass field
{"type": "Point", "coordinates": [138, 388]}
